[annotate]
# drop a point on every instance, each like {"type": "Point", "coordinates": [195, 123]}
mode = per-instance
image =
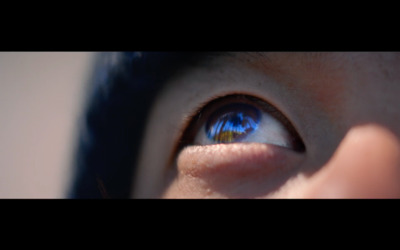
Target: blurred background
{"type": "Point", "coordinates": [41, 97]}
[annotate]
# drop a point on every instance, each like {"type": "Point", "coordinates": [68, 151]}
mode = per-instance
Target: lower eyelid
{"type": "Point", "coordinates": [223, 166]}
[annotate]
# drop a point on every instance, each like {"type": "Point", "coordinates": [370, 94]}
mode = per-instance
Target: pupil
{"type": "Point", "coordinates": [232, 122]}
{"type": "Point", "coordinates": [237, 119]}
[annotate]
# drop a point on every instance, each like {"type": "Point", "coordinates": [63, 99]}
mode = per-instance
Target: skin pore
{"type": "Point", "coordinates": [343, 105]}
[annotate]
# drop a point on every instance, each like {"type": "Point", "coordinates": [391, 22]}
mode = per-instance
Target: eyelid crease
{"type": "Point", "coordinates": [193, 121]}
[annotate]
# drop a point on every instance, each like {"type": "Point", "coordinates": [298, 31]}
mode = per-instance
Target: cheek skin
{"type": "Point", "coordinates": [243, 170]}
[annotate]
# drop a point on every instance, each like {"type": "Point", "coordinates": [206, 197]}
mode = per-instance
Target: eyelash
{"type": "Point", "coordinates": [196, 120]}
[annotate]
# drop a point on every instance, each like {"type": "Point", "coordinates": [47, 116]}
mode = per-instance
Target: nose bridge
{"type": "Point", "coordinates": [365, 165]}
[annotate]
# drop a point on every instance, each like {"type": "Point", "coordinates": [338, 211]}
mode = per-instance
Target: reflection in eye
{"type": "Point", "coordinates": [239, 119]}
{"type": "Point", "coordinates": [232, 123]}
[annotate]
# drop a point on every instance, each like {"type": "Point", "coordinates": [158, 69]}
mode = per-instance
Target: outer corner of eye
{"type": "Point", "coordinates": [245, 120]}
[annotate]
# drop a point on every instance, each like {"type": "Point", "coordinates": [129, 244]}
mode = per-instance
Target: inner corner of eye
{"type": "Point", "coordinates": [240, 118]}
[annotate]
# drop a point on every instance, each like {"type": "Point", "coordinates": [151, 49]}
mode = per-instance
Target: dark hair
{"type": "Point", "coordinates": [121, 91]}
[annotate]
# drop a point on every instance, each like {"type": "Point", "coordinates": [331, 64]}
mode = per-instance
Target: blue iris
{"type": "Point", "coordinates": [232, 122]}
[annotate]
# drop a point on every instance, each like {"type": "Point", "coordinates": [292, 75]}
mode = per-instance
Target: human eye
{"type": "Point", "coordinates": [239, 118]}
